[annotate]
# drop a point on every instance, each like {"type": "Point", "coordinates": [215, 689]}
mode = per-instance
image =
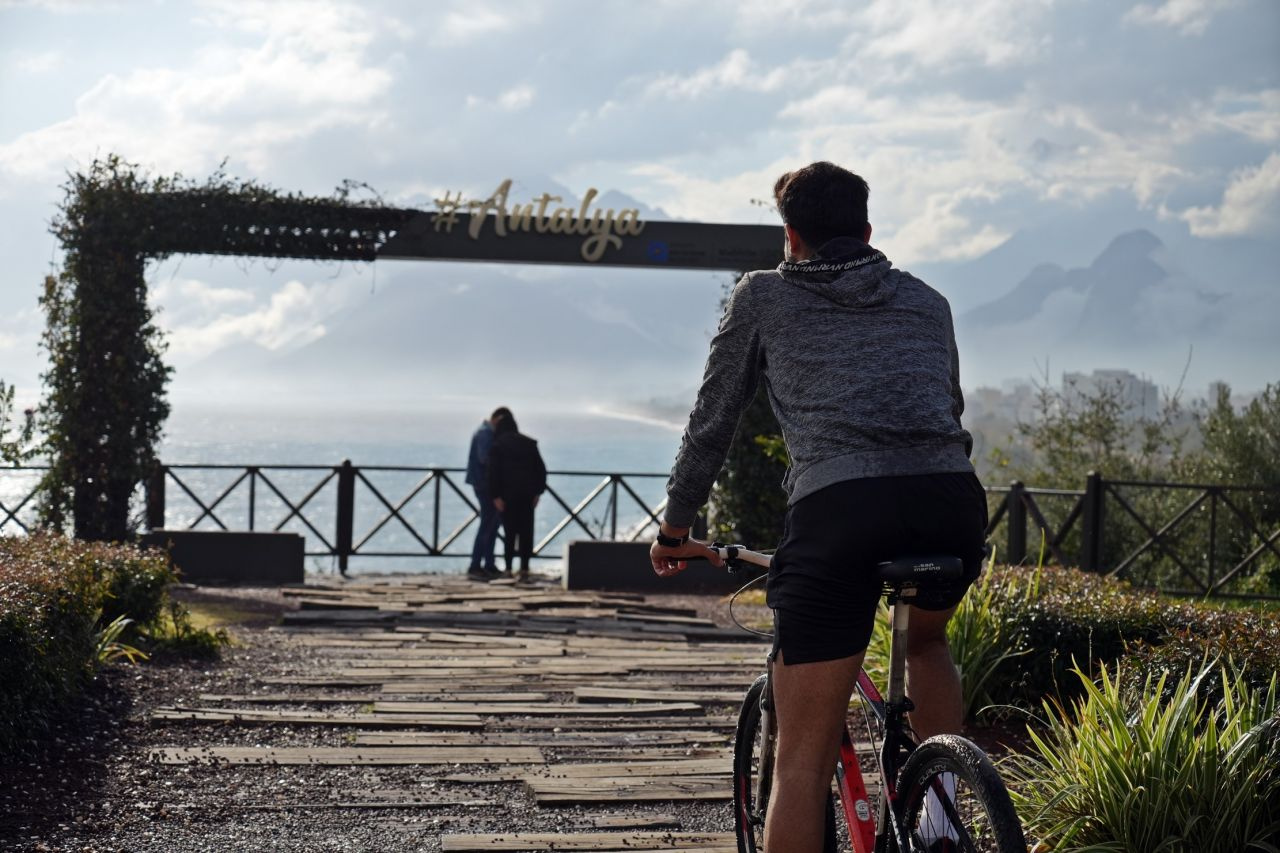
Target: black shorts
{"type": "Point", "coordinates": [823, 586]}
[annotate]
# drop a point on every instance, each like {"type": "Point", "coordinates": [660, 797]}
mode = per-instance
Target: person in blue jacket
{"type": "Point", "coordinates": [484, 565]}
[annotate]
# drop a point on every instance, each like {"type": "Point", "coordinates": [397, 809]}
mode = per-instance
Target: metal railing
{"type": "Point", "coordinates": [19, 486]}
{"type": "Point", "coordinates": [348, 510]}
{"type": "Point", "coordinates": [1182, 538]}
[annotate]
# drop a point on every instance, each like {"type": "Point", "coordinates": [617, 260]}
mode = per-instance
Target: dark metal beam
{"type": "Point", "coordinates": [659, 245]}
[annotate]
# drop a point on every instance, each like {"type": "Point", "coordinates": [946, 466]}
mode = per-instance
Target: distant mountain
{"type": "Point", "coordinates": [1131, 283]}
{"type": "Point", "coordinates": [1133, 306]}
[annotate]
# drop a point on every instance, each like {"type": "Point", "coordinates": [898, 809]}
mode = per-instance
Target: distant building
{"type": "Point", "coordinates": [1139, 396]}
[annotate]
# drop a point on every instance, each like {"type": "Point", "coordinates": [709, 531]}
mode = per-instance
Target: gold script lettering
{"type": "Point", "coordinates": [603, 229]}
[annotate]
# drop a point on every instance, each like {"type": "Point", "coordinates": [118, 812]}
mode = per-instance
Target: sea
{"type": "Point", "coordinates": [404, 509]}
{"type": "Point", "coordinates": [409, 517]}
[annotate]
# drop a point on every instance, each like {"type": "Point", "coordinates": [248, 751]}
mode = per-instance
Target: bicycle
{"type": "Point", "coordinates": [947, 779]}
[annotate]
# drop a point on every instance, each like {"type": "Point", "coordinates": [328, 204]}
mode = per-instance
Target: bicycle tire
{"type": "Point", "coordinates": [981, 804]}
{"type": "Point", "coordinates": [749, 815]}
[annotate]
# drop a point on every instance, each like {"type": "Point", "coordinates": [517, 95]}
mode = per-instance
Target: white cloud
{"type": "Point", "coordinates": [199, 319]}
{"type": "Point", "coordinates": [39, 63]}
{"type": "Point", "coordinates": [938, 34]}
{"type": "Point", "coordinates": [1189, 17]}
{"type": "Point", "coordinates": [698, 197]}
{"type": "Point", "coordinates": [1250, 205]}
{"type": "Point", "coordinates": [61, 7]}
{"type": "Point", "coordinates": [511, 100]}
{"type": "Point", "coordinates": [1253, 115]}
{"type": "Point", "coordinates": [769, 17]}
{"type": "Point", "coordinates": [735, 71]}
{"type": "Point", "coordinates": [941, 233]}
{"type": "Point", "coordinates": [195, 294]}
{"type": "Point", "coordinates": [470, 22]}
{"type": "Point", "coordinates": [307, 73]}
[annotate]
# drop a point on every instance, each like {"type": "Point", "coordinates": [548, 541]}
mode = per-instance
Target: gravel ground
{"type": "Point", "coordinates": [89, 787]}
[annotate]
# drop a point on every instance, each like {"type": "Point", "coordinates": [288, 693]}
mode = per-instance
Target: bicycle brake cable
{"type": "Point", "coordinates": [733, 616]}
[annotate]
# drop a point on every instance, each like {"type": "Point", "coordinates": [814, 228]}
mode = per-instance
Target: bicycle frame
{"type": "Point", "coordinates": [897, 756]}
{"type": "Point", "coordinates": [898, 743]}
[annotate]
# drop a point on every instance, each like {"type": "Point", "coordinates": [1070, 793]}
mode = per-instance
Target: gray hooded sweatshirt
{"type": "Point", "coordinates": [859, 362]}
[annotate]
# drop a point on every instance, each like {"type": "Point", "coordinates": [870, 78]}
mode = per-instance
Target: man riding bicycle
{"type": "Point", "coordinates": [859, 362]}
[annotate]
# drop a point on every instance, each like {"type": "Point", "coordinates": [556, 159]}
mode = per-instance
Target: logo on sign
{"type": "Point", "coordinates": [862, 810]}
{"type": "Point", "coordinates": [601, 228]}
{"type": "Point", "coordinates": [658, 251]}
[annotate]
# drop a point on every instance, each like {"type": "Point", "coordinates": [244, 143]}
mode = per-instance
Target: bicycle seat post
{"type": "Point", "coordinates": [900, 615]}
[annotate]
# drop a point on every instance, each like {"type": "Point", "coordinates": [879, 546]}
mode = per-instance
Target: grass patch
{"type": "Point", "coordinates": [211, 615]}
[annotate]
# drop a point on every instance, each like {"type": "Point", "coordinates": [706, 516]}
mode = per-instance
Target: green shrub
{"type": "Point", "coordinates": [1198, 633]}
{"type": "Point", "coordinates": [65, 606]}
{"type": "Point", "coordinates": [47, 619]}
{"type": "Point", "coordinates": [1155, 768]}
{"type": "Point", "coordinates": [1073, 619]}
{"type": "Point", "coordinates": [134, 581]}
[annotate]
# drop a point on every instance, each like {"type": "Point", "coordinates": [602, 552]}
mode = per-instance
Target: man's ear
{"type": "Point", "coordinates": [866, 237]}
{"type": "Point", "coordinates": [795, 242]}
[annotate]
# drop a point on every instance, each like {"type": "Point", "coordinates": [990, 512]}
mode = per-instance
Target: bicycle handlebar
{"type": "Point", "coordinates": [735, 555]}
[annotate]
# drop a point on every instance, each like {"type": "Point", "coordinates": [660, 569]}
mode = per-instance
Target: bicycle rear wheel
{"type": "Point", "coordinates": [753, 749]}
{"type": "Point", "coordinates": [977, 818]}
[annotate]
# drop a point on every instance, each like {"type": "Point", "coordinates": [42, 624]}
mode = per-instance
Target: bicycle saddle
{"type": "Point", "coordinates": [915, 570]}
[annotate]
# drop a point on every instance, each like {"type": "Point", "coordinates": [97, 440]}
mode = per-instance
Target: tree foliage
{"type": "Point", "coordinates": [105, 400]}
{"type": "Point", "coordinates": [1075, 431]}
{"type": "Point", "coordinates": [1241, 448]}
{"type": "Point", "coordinates": [15, 436]}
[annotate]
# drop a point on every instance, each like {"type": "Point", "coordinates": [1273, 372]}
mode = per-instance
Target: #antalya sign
{"type": "Point", "coordinates": [547, 230]}
{"type": "Point", "coordinates": [601, 229]}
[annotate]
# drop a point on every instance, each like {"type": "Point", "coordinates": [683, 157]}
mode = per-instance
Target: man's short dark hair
{"type": "Point", "coordinates": [821, 202]}
{"type": "Point", "coordinates": [500, 413]}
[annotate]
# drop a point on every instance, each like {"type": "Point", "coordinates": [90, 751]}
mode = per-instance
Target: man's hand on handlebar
{"type": "Point", "coordinates": [670, 560]}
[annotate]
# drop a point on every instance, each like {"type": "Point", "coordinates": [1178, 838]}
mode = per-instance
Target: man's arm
{"type": "Point", "coordinates": [728, 384]}
{"type": "Point", "coordinates": [494, 472]}
{"type": "Point", "coordinates": [957, 395]}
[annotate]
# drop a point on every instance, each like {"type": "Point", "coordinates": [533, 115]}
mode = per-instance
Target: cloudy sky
{"type": "Point", "coordinates": [971, 121]}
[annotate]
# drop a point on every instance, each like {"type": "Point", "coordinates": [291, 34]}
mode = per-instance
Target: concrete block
{"type": "Point", "coordinates": [233, 556]}
{"type": "Point", "coordinates": [625, 566]}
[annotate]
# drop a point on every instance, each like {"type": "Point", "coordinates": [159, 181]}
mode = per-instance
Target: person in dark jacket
{"type": "Point", "coordinates": [483, 565]}
{"type": "Point", "coordinates": [517, 477]}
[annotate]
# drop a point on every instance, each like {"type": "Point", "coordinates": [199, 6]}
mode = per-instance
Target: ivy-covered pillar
{"type": "Point", "coordinates": [106, 403]}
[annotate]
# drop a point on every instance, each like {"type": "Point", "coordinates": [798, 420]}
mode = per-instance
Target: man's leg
{"type": "Point", "coordinates": [526, 537]}
{"type": "Point", "coordinates": [509, 537]}
{"type": "Point", "coordinates": [933, 682]}
{"type": "Point", "coordinates": [811, 702]}
{"type": "Point", "coordinates": [486, 510]}
{"type": "Point", "coordinates": [490, 520]}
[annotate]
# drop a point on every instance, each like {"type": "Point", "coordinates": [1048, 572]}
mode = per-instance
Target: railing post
{"type": "Point", "coordinates": [346, 513]}
{"type": "Point", "coordinates": [1213, 537]}
{"type": "Point", "coordinates": [253, 494]}
{"type": "Point", "coordinates": [155, 497]}
{"type": "Point", "coordinates": [1017, 521]}
{"type": "Point", "coordinates": [435, 511]}
{"type": "Point", "coordinates": [613, 501]}
{"type": "Point", "coordinates": [1091, 531]}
